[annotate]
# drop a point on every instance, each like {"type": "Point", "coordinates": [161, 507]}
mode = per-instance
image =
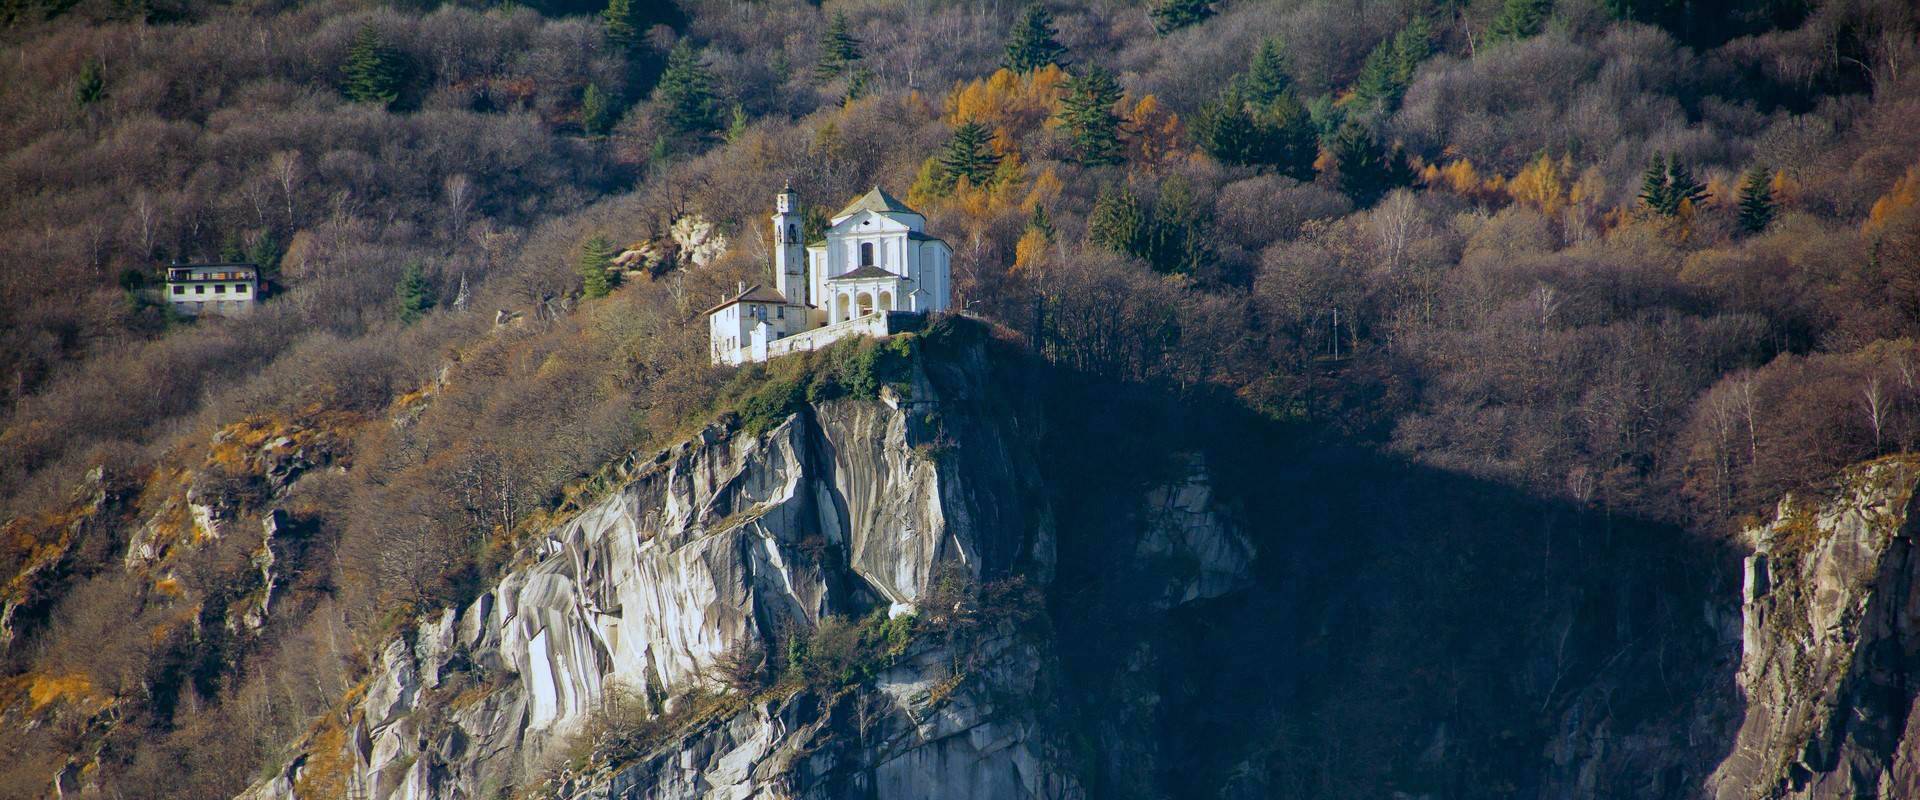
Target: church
{"type": "Point", "coordinates": [875, 272]}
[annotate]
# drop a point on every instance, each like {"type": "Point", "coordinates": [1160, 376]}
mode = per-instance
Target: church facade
{"type": "Point", "coordinates": [874, 271]}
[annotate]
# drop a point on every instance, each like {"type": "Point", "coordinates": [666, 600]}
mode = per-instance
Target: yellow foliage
{"type": "Point", "coordinates": [1046, 189]}
{"type": "Point", "coordinates": [1325, 162]}
{"type": "Point", "coordinates": [1904, 193]}
{"type": "Point", "coordinates": [1011, 103]}
{"type": "Point", "coordinates": [1543, 184]}
{"type": "Point", "coordinates": [43, 690]}
{"type": "Point", "coordinates": [1462, 178]}
{"type": "Point", "coordinates": [1031, 248]}
{"type": "Point", "coordinates": [1154, 134]}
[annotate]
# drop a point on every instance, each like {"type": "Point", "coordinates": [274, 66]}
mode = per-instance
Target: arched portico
{"type": "Point", "coordinates": [865, 303]}
{"type": "Point", "coordinates": [886, 300]}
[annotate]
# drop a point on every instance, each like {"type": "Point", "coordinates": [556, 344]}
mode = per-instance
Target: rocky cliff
{"type": "Point", "coordinates": [1830, 646]}
{"type": "Point", "coordinates": [1209, 614]}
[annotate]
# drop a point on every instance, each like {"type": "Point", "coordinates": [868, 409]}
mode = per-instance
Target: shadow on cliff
{"type": "Point", "coordinates": [1404, 631]}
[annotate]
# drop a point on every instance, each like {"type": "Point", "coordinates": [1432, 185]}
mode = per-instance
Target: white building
{"type": "Point", "coordinates": [223, 289]}
{"type": "Point", "coordinates": [875, 272]}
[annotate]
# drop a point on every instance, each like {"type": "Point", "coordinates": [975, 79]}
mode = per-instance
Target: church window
{"type": "Point", "coordinates": [793, 233]}
{"type": "Point", "coordinates": [866, 254]}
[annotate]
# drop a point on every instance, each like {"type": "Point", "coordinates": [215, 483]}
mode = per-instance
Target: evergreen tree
{"type": "Point", "coordinates": [596, 111]}
{"type": "Point", "coordinates": [1668, 186]}
{"type": "Point", "coordinates": [1172, 15]}
{"type": "Point", "coordinates": [1278, 133]}
{"type": "Point", "coordinates": [92, 86]}
{"type": "Point", "coordinates": [1177, 230]}
{"type": "Point", "coordinates": [1368, 170]}
{"type": "Point", "coordinates": [1031, 45]}
{"type": "Point", "coordinates": [1757, 207]}
{"type": "Point", "coordinates": [968, 154]}
{"type": "Point", "coordinates": [1389, 68]}
{"type": "Point", "coordinates": [413, 296]}
{"type": "Point", "coordinates": [1087, 114]}
{"type": "Point", "coordinates": [839, 50]}
{"type": "Point", "coordinates": [597, 276]}
{"type": "Point", "coordinates": [1119, 223]}
{"type": "Point", "coordinates": [1039, 221]}
{"type": "Point", "coordinates": [621, 25]}
{"type": "Point", "coordinates": [1518, 20]}
{"type": "Point", "coordinates": [1266, 79]}
{"type": "Point", "coordinates": [375, 73]}
{"type": "Point", "coordinates": [685, 94]}
{"type": "Point", "coordinates": [265, 254]}
{"type": "Point", "coordinates": [232, 249]}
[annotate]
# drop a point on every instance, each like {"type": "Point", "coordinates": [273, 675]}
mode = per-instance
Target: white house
{"type": "Point", "coordinates": [225, 289]}
{"type": "Point", "coordinates": [875, 272]}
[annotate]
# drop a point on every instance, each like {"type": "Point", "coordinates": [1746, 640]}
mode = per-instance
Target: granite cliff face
{"type": "Point", "coordinates": [1323, 626]}
{"type": "Point", "coordinates": [1830, 644]}
{"type": "Point", "coordinates": [735, 540]}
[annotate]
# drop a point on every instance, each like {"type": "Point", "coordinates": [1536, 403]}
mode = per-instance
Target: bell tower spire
{"type": "Point", "coordinates": [789, 252]}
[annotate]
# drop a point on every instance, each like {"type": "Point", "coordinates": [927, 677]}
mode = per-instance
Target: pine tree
{"type": "Point", "coordinates": [414, 296]}
{"type": "Point", "coordinates": [1178, 230]}
{"type": "Point", "coordinates": [621, 26]}
{"type": "Point", "coordinates": [1389, 68]}
{"type": "Point", "coordinates": [1757, 207]}
{"type": "Point", "coordinates": [265, 254]}
{"type": "Point", "coordinates": [375, 73]}
{"type": "Point", "coordinates": [92, 86]}
{"type": "Point", "coordinates": [1040, 221]}
{"type": "Point", "coordinates": [1031, 45]}
{"type": "Point", "coordinates": [1267, 79]}
{"type": "Point", "coordinates": [597, 276]}
{"type": "Point", "coordinates": [685, 94]}
{"type": "Point", "coordinates": [1518, 20]}
{"type": "Point", "coordinates": [1119, 223]}
{"type": "Point", "coordinates": [1368, 170]}
{"type": "Point", "coordinates": [1087, 114]}
{"type": "Point", "coordinates": [596, 111]}
{"type": "Point", "coordinates": [1668, 186]}
{"type": "Point", "coordinates": [839, 50]}
{"type": "Point", "coordinates": [1172, 15]}
{"type": "Point", "coordinates": [968, 155]}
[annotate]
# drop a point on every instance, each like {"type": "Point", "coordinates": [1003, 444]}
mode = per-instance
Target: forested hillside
{"type": "Point", "coordinates": [1657, 259]}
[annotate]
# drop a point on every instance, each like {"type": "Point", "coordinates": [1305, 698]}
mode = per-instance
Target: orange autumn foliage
{"type": "Point", "coordinates": [1011, 103]}
{"type": "Point", "coordinates": [1154, 135]}
{"type": "Point", "coordinates": [1903, 195]}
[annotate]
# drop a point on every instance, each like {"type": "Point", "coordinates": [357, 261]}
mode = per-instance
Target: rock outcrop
{"type": "Point", "coordinates": [733, 541]}
{"type": "Point", "coordinates": [1830, 642]}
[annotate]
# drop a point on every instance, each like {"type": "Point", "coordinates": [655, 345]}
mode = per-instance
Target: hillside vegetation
{"type": "Point", "coordinates": [1658, 259]}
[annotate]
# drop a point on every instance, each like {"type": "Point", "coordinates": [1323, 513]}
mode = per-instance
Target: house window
{"type": "Point", "coordinates": [201, 289]}
{"type": "Point", "coordinates": [179, 290]}
{"type": "Point", "coordinates": [866, 254]}
{"type": "Point", "coordinates": [219, 288]}
{"type": "Point", "coordinates": [240, 288]}
{"type": "Point", "coordinates": [780, 313]}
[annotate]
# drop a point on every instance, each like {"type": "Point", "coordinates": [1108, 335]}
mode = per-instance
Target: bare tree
{"type": "Point", "coordinates": [287, 171]}
{"type": "Point", "coordinates": [1874, 399]}
{"type": "Point", "coordinates": [460, 200]}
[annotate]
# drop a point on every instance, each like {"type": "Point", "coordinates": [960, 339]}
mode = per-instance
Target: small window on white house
{"type": "Point", "coordinates": [201, 289]}
{"type": "Point", "coordinates": [219, 288]}
{"type": "Point", "coordinates": [866, 254]}
{"type": "Point", "coordinates": [179, 290]}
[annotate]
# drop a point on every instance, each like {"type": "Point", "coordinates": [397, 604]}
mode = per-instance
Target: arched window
{"type": "Point", "coordinates": [793, 233]}
{"type": "Point", "coordinates": [866, 254]}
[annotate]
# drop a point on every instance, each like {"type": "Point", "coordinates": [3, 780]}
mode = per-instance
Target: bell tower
{"type": "Point", "coordinates": [789, 252]}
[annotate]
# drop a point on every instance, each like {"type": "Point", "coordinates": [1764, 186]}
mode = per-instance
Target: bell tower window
{"type": "Point", "coordinates": [866, 254]}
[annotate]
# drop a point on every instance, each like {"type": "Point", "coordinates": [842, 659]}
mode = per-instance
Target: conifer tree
{"type": "Point", "coordinates": [968, 155]}
{"type": "Point", "coordinates": [621, 26]}
{"type": "Point", "coordinates": [1267, 79]}
{"type": "Point", "coordinates": [1518, 20]}
{"type": "Point", "coordinates": [1119, 223]}
{"type": "Point", "coordinates": [685, 94]}
{"type": "Point", "coordinates": [374, 73]}
{"type": "Point", "coordinates": [413, 296]}
{"type": "Point", "coordinates": [597, 276]}
{"type": "Point", "coordinates": [92, 86]}
{"type": "Point", "coordinates": [1368, 170]}
{"type": "Point", "coordinates": [1668, 186]}
{"type": "Point", "coordinates": [1177, 230]}
{"type": "Point", "coordinates": [1389, 68]}
{"type": "Point", "coordinates": [1039, 221]}
{"type": "Point", "coordinates": [839, 50]}
{"type": "Point", "coordinates": [1087, 114]}
{"type": "Point", "coordinates": [1757, 207]}
{"type": "Point", "coordinates": [1172, 15]}
{"type": "Point", "coordinates": [1031, 45]}
{"type": "Point", "coordinates": [265, 254]}
{"type": "Point", "coordinates": [596, 111]}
